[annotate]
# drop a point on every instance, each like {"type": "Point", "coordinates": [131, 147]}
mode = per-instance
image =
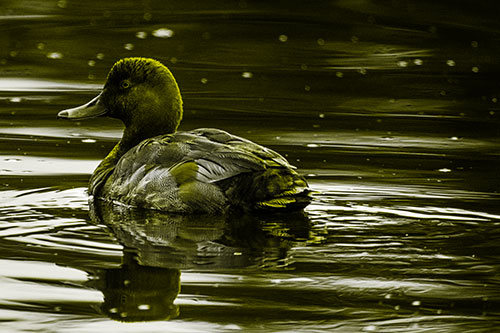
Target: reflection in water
{"type": "Point", "coordinates": [138, 293]}
{"type": "Point", "coordinates": [157, 245]}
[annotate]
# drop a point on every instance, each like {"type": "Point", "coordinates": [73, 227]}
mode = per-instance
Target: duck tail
{"type": "Point", "coordinates": [289, 200]}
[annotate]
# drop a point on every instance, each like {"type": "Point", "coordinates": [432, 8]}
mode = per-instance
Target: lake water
{"type": "Point", "coordinates": [390, 109]}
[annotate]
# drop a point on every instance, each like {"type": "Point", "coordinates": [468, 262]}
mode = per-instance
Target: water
{"type": "Point", "coordinates": [390, 109]}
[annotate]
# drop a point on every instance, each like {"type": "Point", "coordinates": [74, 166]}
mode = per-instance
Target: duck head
{"type": "Point", "coordinates": [142, 93]}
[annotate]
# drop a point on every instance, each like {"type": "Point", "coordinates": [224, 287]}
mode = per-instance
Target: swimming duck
{"type": "Point", "coordinates": [153, 166]}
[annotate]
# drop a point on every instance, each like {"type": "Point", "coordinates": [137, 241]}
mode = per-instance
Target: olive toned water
{"type": "Point", "coordinates": [390, 110]}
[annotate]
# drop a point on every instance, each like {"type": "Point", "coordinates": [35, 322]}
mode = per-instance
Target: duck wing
{"type": "Point", "coordinates": [202, 170]}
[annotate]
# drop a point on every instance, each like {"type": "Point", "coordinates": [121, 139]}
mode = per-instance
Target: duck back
{"type": "Point", "coordinates": [201, 171]}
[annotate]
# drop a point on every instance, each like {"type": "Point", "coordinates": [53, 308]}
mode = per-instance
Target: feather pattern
{"type": "Point", "coordinates": [205, 170]}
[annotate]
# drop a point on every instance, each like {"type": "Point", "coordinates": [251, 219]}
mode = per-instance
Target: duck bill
{"type": "Point", "coordinates": [92, 109]}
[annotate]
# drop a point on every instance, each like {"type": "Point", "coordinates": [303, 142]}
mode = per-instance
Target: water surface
{"type": "Point", "coordinates": [390, 110]}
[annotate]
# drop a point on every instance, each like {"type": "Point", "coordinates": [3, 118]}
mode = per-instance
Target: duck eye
{"type": "Point", "coordinates": [125, 84]}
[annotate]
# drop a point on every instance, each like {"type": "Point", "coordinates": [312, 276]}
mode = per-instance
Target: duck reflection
{"type": "Point", "coordinates": [157, 246]}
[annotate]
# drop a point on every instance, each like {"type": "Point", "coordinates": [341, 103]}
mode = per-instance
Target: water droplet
{"type": "Point", "coordinates": [144, 307]}
{"type": "Point", "coordinates": [100, 56]}
{"type": "Point", "coordinates": [237, 253]}
{"type": "Point", "coordinates": [247, 75]}
{"type": "Point", "coordinates": [388, 296]}
{"type": "Point", "coordinates": [204, 80]}
{"type": "Point", "coordinates": [89, 141]}
{"type": "Point", "coordinates": [128, 46]}
{"type": "Point", "coordinates": [312, 145]}
{"type": "Point", "coordinates": [403, 63]}
{"type": "Point", "coordinates": [15, 99]}
{"type": "Point", "coordinates": [444, 170]}
{"type": "Point", "coordinates": [283, 38]}
{"type": "Point", "coordinates": [416, 303]}
{"type": "Point", "coordinates": [54, 55]}
{"type": "Point", "coordinates": [91, 63]}
{"type": "Point", "coordinates": [321, 115]}
{"type": "Point", "coordinates": [123, 314]}
{"type": "Point", "coordinates": [113, 310]}
{"type": "Point", "coordinates": [370, 328]}
{"type": "Point", "coordinates": [163, 33]}
{"type": "Point", "coordinates": [454, 138]}
{"type": "Point", "coordinates": [141, 34]}
{"type": "Point", "coordinates": [418, 62]}
{"type": "Point", "coordinates": [450, 62]}
{"type": "Point", "coordinates": [475, 69]}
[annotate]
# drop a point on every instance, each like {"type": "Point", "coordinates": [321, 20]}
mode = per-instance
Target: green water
{"type": "Point", "coordinates": [389, 109]}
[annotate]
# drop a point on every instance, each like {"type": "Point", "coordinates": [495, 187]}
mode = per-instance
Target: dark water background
{"type": "Point", "coordinates": [389, 108]}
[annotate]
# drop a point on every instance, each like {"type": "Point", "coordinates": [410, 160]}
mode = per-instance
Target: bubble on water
{"type": "Point", "coordinates": [15, 99]}
{"type": "Point", "coordinates": [321, 115]}
{"type": "Point", "coordinates": [12, 160]}
{"type": "Point", "coordinates": [416, 303]}
{"type": "Point", "coordinates": [354, 39]}
{"type": "Point", "coordinates": [388, 296]}
{"type": "Point", "coordinates": [144, 307]}
{"type": "Point", "coordinates": [14, 53]}
{"type": "Point", "coordinates": [128, 46]}
{"type": "Point", "coordinates": [339, 75]}
{"type": "Point", "coordinates": [91, 63]}
{"type": "Point", "coordinates": [100, 56]}
{"type": "Point", "coordinates": [283, 38]}
{"type": "Point", "coordinates": [303, 67]}
{"type": "Point", "coordinates": [113, 310]}
{"type": "Point", "coordinates": [444, 170]}
{"type": "Point", "coordinates": [62, 4]}
{"type": "Point", "coordinates": [450, 62]}
{"type": "Point", "coordinates": [494, 100]}
{"type": "Point", "coordinates": [173, 60]}
{"type": "Point", "coordinates": [403, 63]}
{"type": "Point", "coordinates": [454, 138]}
{"type": "Point", "coordinates": [307, 87]}
{"type": "Point", "coordinates": [163, 33]}
{"type": "Point", "coordinates": [204, 80]}
{"type": "Point", "coordinates": [418, 62]}
{"type": "Point", "coordinates": [362, 71]}
{"type": "Point", "coordinates": [123, 314]}
{"type": "Point", "coordinates": [148, 16]}
{"type": "Point", "coordinates": [141, 34]}
{"type": "Point", "coordinates": [320, 41]}
{"type": "Point", "coordinates": [237, 253]}
{"type": "Point", "coordinates": [40, 46]}
{"type": "Point", "coordinates": [312, 145]}
{"type": "Point", "coordinates": [91, 76]}
{"type": "Point", "coordinates": [247, 75]}
{"type": "Point", "coordinates": [206, 35]}
{"type": "Point", "coordinates": [370, 328]}
{"type": "Point", "coordinates": [54, 55]}
{"type": "Point", "coordinates": [475, 69]}
{"type": "Point", "coordinates": [474, 44]}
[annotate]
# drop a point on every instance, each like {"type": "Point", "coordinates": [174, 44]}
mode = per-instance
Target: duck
{"type": "Point", "coordinates": [154, 166]}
